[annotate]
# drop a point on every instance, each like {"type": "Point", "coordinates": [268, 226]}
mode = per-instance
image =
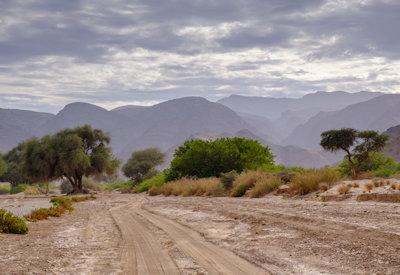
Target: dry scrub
{"type": "Point", "coordinates": [246, 181]}
{"type": "Point", "coordinates": [190, 187]}
{"type": "Point", "coordinates": [309, 181]}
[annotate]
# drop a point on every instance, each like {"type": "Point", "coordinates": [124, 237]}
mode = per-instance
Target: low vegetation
{"type": "Point", "coordinates": [5, 189]}
{"type": "Point", "coordinates": [190, 187]}
{"type": "Point", "coordinates": [311, 180]}
{"type": "Point", "coordinates": [60, 206]}
{"type": "Point", "coordinates": [246, 181]}
{"type": "Point", "coordinates": [156, 181]}
{"type": "Point", "coordinates": [10, 223]}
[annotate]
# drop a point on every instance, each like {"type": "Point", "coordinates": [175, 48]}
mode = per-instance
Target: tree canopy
{"type": "Point", "coordinates": [70, 154]}
{"type": "Point", "coordinates": [142, 164]}
{"type": "Point", "coordinates": [3, 166]}
{"type": "Point", "coordinates": [205, 158]}
{"type": "Point", "coordinates": [358, 145]}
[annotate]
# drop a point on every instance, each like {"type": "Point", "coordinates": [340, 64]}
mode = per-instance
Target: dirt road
{"type": "Point", "coordinates": [136, 234]}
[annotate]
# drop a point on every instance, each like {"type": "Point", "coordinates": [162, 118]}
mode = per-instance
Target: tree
{"type": "Point", "coordinates": [142, 164]}
{"type": "Point", "coordinates": [204, 158]}
{"type": "Point", "coordinates": [3, 166]}
{"type": "Point", "coordinates": [70, 154]}
{"type": "Point", "coordinates": [358, 145]}
{"type": "Point", "coordinates": [14, 174]}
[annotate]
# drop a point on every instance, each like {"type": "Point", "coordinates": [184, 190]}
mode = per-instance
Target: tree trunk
{"type": "Point", "coordinates": [77, 187]}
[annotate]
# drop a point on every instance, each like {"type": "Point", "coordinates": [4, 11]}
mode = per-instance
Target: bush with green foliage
{"type": "Point", "coordinates": [380, 165]}
{"type": "Point", "coordinates": [10, 223]}
{"type": "Point", "coordinates": [3, 166]}
{"type": "Point", "coordinates": [206, 158]}
{"type": "Point", "coordinates": [157, 180]}
{"type": "Point", "coordinates": [142, 164]}
{"type": "Point", "coordinates": [19, 188]}
{"type": "Point", "coordinates": [15, 174]}
{"type": "Point", "coordinates": [5, 189]}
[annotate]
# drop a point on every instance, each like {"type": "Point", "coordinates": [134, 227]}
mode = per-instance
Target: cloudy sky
{"type": "Point", "coordinates": [117, 52]}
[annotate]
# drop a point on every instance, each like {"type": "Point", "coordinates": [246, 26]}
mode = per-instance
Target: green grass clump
{"type": "Point", "coordinates": [5, 189]}
{"type": "Point", "coordinates": [10, 223]}
{"type": "Point", "coordinates": [157, 181]}
{"type": "Point", "coordinates": [15, 189]}
{"type": "Point", "coordinates": [118, 184]}
{"type": "Point", "coordinates": [310, 180]}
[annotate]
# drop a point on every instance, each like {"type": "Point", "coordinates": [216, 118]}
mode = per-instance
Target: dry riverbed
{"type": "Point", "coordinates": [140, 234]}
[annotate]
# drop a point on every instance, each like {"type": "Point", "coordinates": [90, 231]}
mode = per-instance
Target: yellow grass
{"type": "Point", "coordinates": [265, 185]}
{"type": "Point", "coordinates": [343, 189]}
{"type": "Point", "coordinates": [309, 181]}
{"type": "Point", "coordinates": [246, 181]}
{"type": "Point", "coordinates": [190, 187]}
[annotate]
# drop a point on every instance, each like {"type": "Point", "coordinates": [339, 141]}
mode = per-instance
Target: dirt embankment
{"type": "Point", "coordinates": [137, 234]}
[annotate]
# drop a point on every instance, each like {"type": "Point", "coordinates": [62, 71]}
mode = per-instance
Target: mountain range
{"type": "Point", "coordinates": [290, 127]}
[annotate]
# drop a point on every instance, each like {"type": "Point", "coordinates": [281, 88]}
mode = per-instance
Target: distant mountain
{"type": "Point", "coordinates": [393, 146]}
{"type": "Point", "coordinates": [379, 113]}
{"type": "Point", "coordinates": [273, 108]}
{"type": "Point", "coordinates": [18, 125]}
{"type": "Point", "coordinates": [129, 110]}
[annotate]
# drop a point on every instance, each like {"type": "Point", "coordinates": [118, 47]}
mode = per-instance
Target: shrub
{"type": "Point", "coordinates": [343, 189]}
{"type": "Point", "coordinates": [32, 190]}
{"type": "Point", "coordinates": [265, 185]}
{"type": "Point", "coordinates": [228, 178]}
{"type": "Point", "coordinates": [19, 188]}
{"type": "Point", "coordinates": [205, 158]}
{"type": "Point", "coordinates": [246, 181]}
{"type": "Point", "coordinates": [309, 181]}
{"type": "Point", "coordinates": [118, 185]}
{"type": "Point", "coordinates": [323, 186]}
{"type": "Point", "coordinates": [64, 202]}
{"type": "Point", "coordinates": [369, 186]}
{"type": "Point", "coordinates": [10, 223]}
{"type": "Point", "coordinates": [141, 165]}
{"type": "Point", "coordinates": [157, 180]}
{"type": "Point", "coordinates": [190, 187]}
{"type": "Point", "coordinates": [4, 189]}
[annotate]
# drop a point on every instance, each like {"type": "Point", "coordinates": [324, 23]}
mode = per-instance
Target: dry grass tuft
{"type": "Point", "coordinates": [246, 181]}
{"type": "Point", "coordinates": [32, 191]}
{"type": "Point", "coordinates": [393, 186]}
{"type": "Point", "coordinates": [323, 186]}
{"type": "Point", "coordinates": [355, 185]}
{"type": "Point", "coordinates": [309, 181]}
{"type": "Point", "coordinates": [265, 185]}
{"type": "Point", "coordinates": [343, 189]}
{"type": "Point", "coordinates": [190, 187]}
{"type": "Point", "coordinates": [369, 186]}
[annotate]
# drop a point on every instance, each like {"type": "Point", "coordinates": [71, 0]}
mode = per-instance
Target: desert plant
{"type": "Point", "coordinates": [190, 187]}
{"type": "Point", "coordinates": [309, 181]}
{"type": "Point", "coordinates": [209, 158]}
{"type": "Point", "coordinates": [246, 181]}
{"type": "Point", "coordinates": [228, 178]}
{"type": "Point", "coordinates": [369, 186]}
{"type": "Point", "coordinates": [265, 185]}
{"type": "Point", "coordinates": [157, 180]}
{"type": "Point", "coordinates": [32, 190]}
{"type": "Point", "coordinates": [10, 223]}
{"type": "Point", "coordinates": [142, 164]}
{"type": "Point", "coordinates": [323, 186]}
{"type": "Point", "coordinates": [19, 188]}
{"type": "Point", "coordinates": [358, 146]}
{"type": "Point", "coordinates": [343, 189]}
{"type": "Point", "coordinates": [355, 185]}
{"type": "Point", "coordinates": [5, 189]}
{"type": "Point", "coordinates": [122, 185]}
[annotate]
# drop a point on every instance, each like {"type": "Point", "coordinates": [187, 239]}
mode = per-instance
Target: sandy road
{"type": "Point", "coordinates": [144, 254]}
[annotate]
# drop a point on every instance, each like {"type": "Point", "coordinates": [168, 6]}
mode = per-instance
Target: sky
{"type": "Point", "coordinates": [117, 52]}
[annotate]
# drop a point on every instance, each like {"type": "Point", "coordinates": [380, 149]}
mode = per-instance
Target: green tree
{"type": "Point", "coordinates": [15, 175]}
{"type": "Point", "coordinates": [142, 164]}
{"type": "Point", "coordinates": [204, 158]}
{"type": "Point", "coordinates": [3, 166]}
{"type": "Point", "coordinates": [358, 146]}
{"type": "Point", "coordinates": [70, 154]}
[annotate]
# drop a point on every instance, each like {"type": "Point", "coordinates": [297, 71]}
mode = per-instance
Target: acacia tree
{"type": "Point", "coordinates": [70, 154]}
{"type": "Point", "coordinates": [142, 164]}
{"type": "Point", "coordinates": [358, 145]}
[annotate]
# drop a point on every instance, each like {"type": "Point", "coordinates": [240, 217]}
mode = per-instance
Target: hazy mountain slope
{"type": "Point", "coordinates": [377, 114]}
{"type": "Point", "coordinates": [273, 108]}
{"type": "Point", "coordinates": [129, 110]}
{"type": "Point", "coordinates": [263, 127]}
{"type": "Point", "coordinates": [393, 146]}
{"type": "Point", "coordinates": [170, 123]}
{"type": "Point", "coordinates": [18, 125]}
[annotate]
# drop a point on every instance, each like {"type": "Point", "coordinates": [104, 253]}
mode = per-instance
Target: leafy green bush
{"type": "Point", "coordinates": [310, 180]}
{"type": "Point", "coordinates": [205, 158]}
{"type": "Point", "coordinates": [228, 178]}
{"type": "Point", "coordinates": [157, 180]}
{"type": "Point", "coordinates": [15, 189]}
{"type": "Point", "coordinates": [12, 224]}
{"type": "Point", "coordinates": [380, 165]}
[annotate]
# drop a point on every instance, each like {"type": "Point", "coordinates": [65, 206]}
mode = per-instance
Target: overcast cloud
{"type": "Point", "coordinates": [119, 52]}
